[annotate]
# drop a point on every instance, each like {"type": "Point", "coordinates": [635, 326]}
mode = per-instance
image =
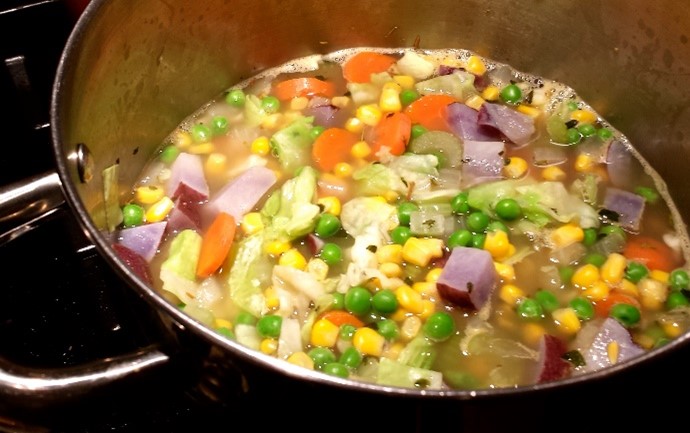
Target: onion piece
{"type": "Point", "coordinates": [544, 156]}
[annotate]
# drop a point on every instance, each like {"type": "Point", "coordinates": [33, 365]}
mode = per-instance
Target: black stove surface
{"type": "Point", "coordinates": [63, 306]}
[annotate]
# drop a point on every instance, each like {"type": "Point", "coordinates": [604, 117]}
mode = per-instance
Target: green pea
{"type": "Point", "coordinates": [477, 221]}
{"type": "Point", "coordinates": [405, 209]}
{"type": "Point", "coordinates": [459, 238]}
{"type": "Point", "coordinates": [529, 308]}
{"type": "Point", "coordinates": [610, 229]}
{"type": "Point", "coordinates": [508, 209]}
{"type": "Point", "coordinates": [511, 94]}
{"type": "Point", "coordinates": [590, 237]}
{"type": "Point", "coordinates": [200, 133]}
{"type": "Point", "coordinates": [338, 301]}
{"type": "Point", "coordinates": [678, 279]}
{"type": "Point", "coordinates": [572, 106]}
{"type": "Point", "coordinates": [461, 379]}
{"type": "Point", "coordinates": [547, 300]}
{"type": "Point", "coordinates": [169, 154]}
{"type": "Point", "coordinates": [327, 225]}
{"type": "Point", "coordinates": [635, 271]}
{"type": "Point", "coordinates": [496, 226]}
{"type": "Point", "coordinates": [459, 203]}
{"type": "Point", "coordinates": [596, 259]}
{"type": "Point", "coordinates": [219, 125]}
{"type": "Point", "coordinates": [408, 96]}
{"type": "Point", "coordinates": [587, 130]}
{"type": "Point", "coordinates": [384, 301]}
{"type": "Point", "coordinates": [401, 234]}
{"type": "Point", "coordinates": [439, 326]}
{"type": "Point", "coordinates": [417, 130]}
{"type": "Point", "coordinates": [226, 332]}
{"type": "Point", "coordinates": [584, 309]}
{"type": "Point", "coordinates": [236, 98]}
{"type": "Point", "coordinates": [315, 132]}
{"type": "Point", "coordinates": [336, 369]}
{"type": "Point", "coordinates": [270, 104]}
{"type": "Point", "coordinates": [321, 356]}
{"type": "Point", "coordinates": [604, 133]}
{"type": "Point", "coordinates": [650, 195]}
{"type": "Point", "coordinates": [351, 357]}
{"type": "Point", "coordinates": [358, 300]}
{"type": "Point", "coordinates": [132, 215]}
{"type": "Point", "coordinates": [628, 315]}
{"type": "Point", "coordinates": [331, 253]}
{"type": "Point", "coordinates": [388, 329]}
{"type": "Point", "coordinates": [245, 318]}
{"type": "Point", "coordinates": [269, 326]}
{"type": "Point", "coordinates": [573, 136]}
{"type": "Point", "coordinates": [478, 240]}
{"type": "Point", "coordinates": [566, 274]}
{"type": "Point", "coordinates": [347, 331]}
{"type": "Point", "coordinates": [676, 299]}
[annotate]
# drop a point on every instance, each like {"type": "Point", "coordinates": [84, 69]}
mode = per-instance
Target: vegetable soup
{"type": "Point", "coordinates": [411, 218]}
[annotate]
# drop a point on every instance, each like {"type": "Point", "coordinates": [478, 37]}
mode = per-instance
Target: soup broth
{"type": "Point", "coordinates": [412, 218]}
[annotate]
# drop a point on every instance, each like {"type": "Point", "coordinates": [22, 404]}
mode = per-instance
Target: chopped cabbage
{"type": "Point", "coordinates": [250, 272]}
{"type": "Point", "coordinates": [292, 144]}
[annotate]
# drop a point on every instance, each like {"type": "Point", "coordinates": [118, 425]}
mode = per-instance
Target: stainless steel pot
{"type": "Point", "coordinates": [132, 70]}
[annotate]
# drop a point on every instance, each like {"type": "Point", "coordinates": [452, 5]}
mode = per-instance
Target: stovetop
{"type": "Point", "coordinates": [63, 306]}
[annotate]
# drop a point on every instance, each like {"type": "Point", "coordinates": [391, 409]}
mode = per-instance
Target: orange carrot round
{"type": "Point", "coordinates": [393, 131]}
{"type": "Point", "coordinates": [307, 86]}
{"type": "Point", "coordinates": [216, 244]}
{"type": "Point", "coordinates": [651, 252]}
{"type": "Point", "coordinates": [341, 317]}
{"type": "Point", "coordinates": [332, 146]}
{"type": "Point", "coordinates": [430, 111]}
{"type": "Point", "coordinates": [358, 68]}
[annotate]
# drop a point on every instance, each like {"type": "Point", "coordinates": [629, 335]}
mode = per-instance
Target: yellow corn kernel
{"type": "Point", "coordinates": [216, 163]}
{"type": "Point", "coordinates": [159, 210]}
{"type": "Point", "coordinates": [293, 258]}
{"type": "Point", "coordinates": [341, 101]}
{"type": "Point", "coordinates": [164, 175]}
{"type": "Point", "coordinates": [331, 204]}
{"type": "Point", "coordinates": [425, 288]}
{"type": "Point", "coordinates": [475, 102]}
{"type": "Point", "coordinates": [222, 323]}
{"type": "Point", "coordinates": [369, 114]}
{"type": "Point", "coordinates": [653, 293]}
{"type": "Point", "coordinates": [202, 148]}
{"type": "Point", "coordinates": [583, 116]}
{"type": "Point", "coordinates": [433, 274]}
{"type": "Point", "coordinates": [299, 103]}
{"type": "Point", "coordinates": [532, 333]}
{"type": "Point", "coordinates": [368, 341]}
{"type": "Point", "coordinates": [400, 314]}
{"type": "Point", "coordinates": [506, 272]}
{"type": "Point", "coordinates": [475, 65]}
{"type": "Point", "coordinates": [272, 121]}
{"type": "Point", "coordinates": [644, 340]}
{"type": "Point", "coordinates": [613, 268]}
{"type": "Point", "coordinates": [516, 168]}
{"type": "Point", "coordinates": [301, 359]}
{"type": "Point", "coordinates": [360, 149]}
{"type": "Point", "coordinates": [597, 291]}
{"type": "Point", "coordinates": [659, 275]}
{"type": "Point", "coordinates": [510, 294]}
{"type": "Point", "coordinates": [389, 101]}
{"type": "Point", "coordinates": [410, 327]}
{"type": "Point", "coordinates": [149, 194]}
{"type": "Point", "coordinates": [271, 299]}
{"type": "Point", "coordinates": [391, 196]}
{"type": "Point", "coordinates": [567, 234]}
{"type": "Point", "coordinates": [566, 320]}
{"type": "Point", "coordinates": [584, 163]}
{"type": "Point", "coordinates": [354, 125]}
{"type": "Point", "coordinates": [553, 173]}
{"type": "Point", "coordinates": [324, 333]}
{"type": "Point", "coordinates": [276, 248]}
{"type": "Point", "coordinates": [532, 112]}
{"type": "Point", "coordinates": [261, 146]}
{"type": "Point", "coordinates": [390, 269]}
{"type": "Point", "coordinates": [429, 307]}
{"type": "Point", "coordinates": [409, 299]}
{"type": "Point", "coordinates": [391, 253]}
{"type": "Point", "coordinates": [251, 223]}
{"type": "Point", "coordinates": [629, 288]}
{"type": "Point", "coordinates": [318, 268]}
{"type": "Point", "coordinates": [342, 169]}
{"type": "Point", "coordinates": [671, 328]}
{"type": "Point", "coordinates": [420, 251]}
{"type": "Point", "coordinates": [269, 346]}
{"type": "Point", "coordinates": [182, 139]}
{"type": "Point", "coordinates": [405, 81]}
{"type": "Point", "coordinates": [393, 351]}
{"type": "Point", "coordinates": [491, 93]}
{"type": "Point", "coordinates": [612, 351]}
{"type": "Point", "coordinates": [585, 275]}
{"type": "Point", "coordinates": [498, 245]}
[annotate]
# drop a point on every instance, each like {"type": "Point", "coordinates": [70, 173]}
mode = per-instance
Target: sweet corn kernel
{"type": "Point", "coordinates": [261, 146]}
{"type": "Point", "coordinates": [324, 333]}
{"type": "Point", "coordinates": [566, 320]}
{"type": "Point", "coordinates": [405, 81]}
{"type": "Point", "coordinates": [368, 341]}
{"type": "Point", "coordinates": [506, 272]}
{"type": "Point", "coordinates": [251, 223]}
{"type": "Point", "coordinates": [429, 307]}
{"type": "Point", "coordinates": [331, 204]}
{"type": "Point", "coordinates": [202, 148]}
{"type": "Point", "coordinates": [222, 323]}
{"type": "Point", "coordinates": [498, 245]}
{"type": "Point", "coordinates": [271, 299]}
{"type": "Point", "coordinates": [391, 196]}
{"type": "Point", "coordinates": [425, 288]}
{"type": "Point", "coordinates": [584, 163]}
{"type": "Point", "coordinates": [342, 170]}
{"type": "Point", "coordinates": [644, 340]}
{"type": "Point", "coordinates": [318, 268]}
{"type": "Point", "coordinates": [369, 114]}
{"type": "Point", "coordinates": [629, 288]}
{"type": "Point", "coordinates": [510, 294]}
{"type": "Point", "coordinates": [182, 139]}
{"type": "Point", "coordinates": [475, 102]}
{"type": "Point", "coordinates": [269, 346]}
{"type": "Point", "coordinates": [653, 293]}
{"type": "Point", "coordinates": [475, 65]}
{"type": "Point", "coordinates": [613, 268]}
{"type": "Point", "coordinates": [433, 274]}
{"type": "Point", "coordinates": [553, 173]}
{"type": "Point", "coordinates": [149, 194]}
{"type": "Point", "coordinates": [532, 333]}
{"type": "Point", "coordinates": [159, 210]}
{"type": "Point", "coordinates": [360, 149]}
{"type": "Point", "coordinates": [491, 93]}
{"type": "Point", "coordinates": [409, 299]}
{"type": "Point", "coordinates": [612, 351]}
{"type": "Point", "coordinates": [389, 101]}
{"type": "Point", "coordinates": [420, 251]}
{"type": "Point", "coordinates": [585, 275]}
{"type": "Point", "coordinates": [671, 328]}
{"type": "Point", "coordinates": [516, 168]}
{"type": "Point", "coordinates": [567, 234]}
{"type": "Point", "coordinates": [390, 269]}
{"type": "Point", "coordinates": [391, 253]}
{"type": "Point", "coordinates": [341, 101]}
{"type": "Point", "coordinates": [301, 359]}
{"type": "Point", "coordinates": [276, 248]}
{"type": "Point", "coordinates": [400, 314]}
{"type": "Point", "coordinates": [164, 175]}
{"type": "Point", "coordinates": [293, 258]}
{"type": "Point", "coordinates": [393, 351]}
{"type": "Point", "coordinates": [583, 116]}
{"type": "Point", "coordinates": [299, 103]}
{"type": "Point", "coordinates": [532, 112]}
{"type": "Point", "coordinates": [597, 291]}
{"type": "Point", "coordinates": [354, 125]}
{"type": "Point", "coordinates": [216, 163]}
{"type": "Point", "coordinates": [410, 327]}
{"type": "Point", "coordinates": [272, 121]}
{"type": "Point", "coordinates": [659, 275]}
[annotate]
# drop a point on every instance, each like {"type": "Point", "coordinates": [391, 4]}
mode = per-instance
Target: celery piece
{"type": "Point", "coordinates": [292, 144]}
{"type": "Point", "coordinates": [459, 84]}
{"type": "Point", "coordinates": [419, 353]}
{"type": "Point", "coordinates": [394, 373]}
{"type": "Point", "coordinates": [444, 145]}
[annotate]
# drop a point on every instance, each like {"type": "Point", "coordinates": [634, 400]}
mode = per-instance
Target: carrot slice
{"type": "Point", "coordinates": [603, 307]}
{"type": "Point", "coordinates": [430, 111]}
{"type": "Point", "coordinates": [215, 244]}
{"type": "Point", "coordinates": [307, 86]}
{"type": "Point", "coordinates": [653, 253]}
{"type": "Point", "coordinates": [393, 131]}
{"type": "Point", "coordinates": [341, 317]}
{"type": "Point", "coordinates": [358, 68]}
{"type": "Point", "coordinates": [332, 146]}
